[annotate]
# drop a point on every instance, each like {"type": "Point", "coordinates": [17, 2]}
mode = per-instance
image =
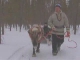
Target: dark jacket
{"type": "Point", "coordinates": [46, 30]}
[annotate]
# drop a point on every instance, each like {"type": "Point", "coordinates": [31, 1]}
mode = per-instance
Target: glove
{"type": "Point", "coordinates": [53, 28]}
{"type": "Point", "coordinates": [68, 34]}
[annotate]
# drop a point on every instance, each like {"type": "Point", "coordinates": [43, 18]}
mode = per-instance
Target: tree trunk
{"type": "Point", "coordinates": [3, 29]}
{"type": "Point", "coordinates": [10, 26]}
{"type": "Point", "coordinates": [16, 27]}
{"type": "Point", "coordinates": [3, 18]}
{"type": "Point", "coordinates": [0, 33]}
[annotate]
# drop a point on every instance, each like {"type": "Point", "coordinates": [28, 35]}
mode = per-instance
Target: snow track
{"type": "Point", "coordinates": [17, 54]}
{"type": "Point", "coordinates": [25, 53]}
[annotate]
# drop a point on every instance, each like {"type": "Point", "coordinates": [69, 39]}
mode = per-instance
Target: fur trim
{"type": "Point", "coordinates": [34, 29]}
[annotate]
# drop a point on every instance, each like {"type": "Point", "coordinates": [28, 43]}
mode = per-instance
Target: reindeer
{"type": "Point", "coordinates": [35, 33]}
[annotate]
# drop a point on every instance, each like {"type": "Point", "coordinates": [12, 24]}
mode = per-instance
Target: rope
{"type": "Point", "coordinates": [74, 42]}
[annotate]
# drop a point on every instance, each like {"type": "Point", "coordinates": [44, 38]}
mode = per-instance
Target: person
{"type": "Point", "coordinates": [46, 30]}
{"type": "Point", "coordinates": [57, 21]}
{"type": "Point", "coordinates": [46, 33]}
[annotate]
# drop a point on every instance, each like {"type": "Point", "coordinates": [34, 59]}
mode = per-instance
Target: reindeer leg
{"type": "Point", "coordinates": [38, 50]}
{"type": "Point", "coordinates": [34, 54]}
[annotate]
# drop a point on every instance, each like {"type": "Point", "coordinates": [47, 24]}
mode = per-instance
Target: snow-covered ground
{"type": "Point", "coordinates": [17, 46]}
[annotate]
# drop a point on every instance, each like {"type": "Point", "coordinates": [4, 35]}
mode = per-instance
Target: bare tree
{"type": "Point", "coordinates": [73, 11]}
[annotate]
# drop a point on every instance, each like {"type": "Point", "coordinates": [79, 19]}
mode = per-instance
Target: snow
{"type": "Point", "coordinates": [17, 46]}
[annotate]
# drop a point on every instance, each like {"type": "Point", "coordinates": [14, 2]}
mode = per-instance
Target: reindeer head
{"type": "Point", "coordinates": [34, 35]}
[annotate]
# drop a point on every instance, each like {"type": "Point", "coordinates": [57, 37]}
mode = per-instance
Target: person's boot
{"type": "Point", "coordinates": [54, 53]}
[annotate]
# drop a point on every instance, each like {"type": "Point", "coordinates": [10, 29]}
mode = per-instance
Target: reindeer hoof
{"type": "Point", "coordinates": [34, 55]}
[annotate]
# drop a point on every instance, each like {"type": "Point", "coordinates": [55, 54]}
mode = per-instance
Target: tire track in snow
{"type": "Point", "coordinates": [16, 54]}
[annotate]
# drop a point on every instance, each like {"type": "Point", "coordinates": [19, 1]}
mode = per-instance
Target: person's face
{"type": "Point", "coordinates": [57, 9]}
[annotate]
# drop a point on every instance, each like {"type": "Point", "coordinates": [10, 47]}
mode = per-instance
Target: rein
{"type": "Point", "coordinates": [58, 37]}
{"type": "Point", "coordinates": [72, 41]}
